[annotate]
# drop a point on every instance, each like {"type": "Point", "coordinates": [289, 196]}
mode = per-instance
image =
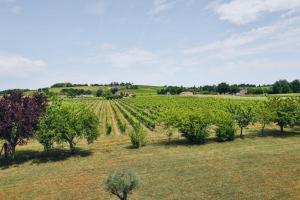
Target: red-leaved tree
{"type": "Point", "coordinates": [19, 117]}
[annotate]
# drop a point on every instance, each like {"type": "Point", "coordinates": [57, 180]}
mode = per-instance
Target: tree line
{"type": "Point", "coordinates": [279, 87]}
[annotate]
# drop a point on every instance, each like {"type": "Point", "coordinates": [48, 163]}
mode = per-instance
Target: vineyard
{"type": "Point", "coordinates": [152, 112]}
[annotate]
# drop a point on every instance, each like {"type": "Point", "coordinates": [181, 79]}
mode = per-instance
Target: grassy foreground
{"type": "Point", "coordinates": [251, 168]}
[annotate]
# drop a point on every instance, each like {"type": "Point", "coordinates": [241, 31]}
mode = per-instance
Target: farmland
{"type": "Point", "coordinates": [255, 166]}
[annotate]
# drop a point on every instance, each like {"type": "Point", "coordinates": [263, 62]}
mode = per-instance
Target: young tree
{"type": "Point", "coordinates": [243, 116]}
{"type": "Point", "coordinates": [19, 117]}
{"type": "Point", "coordinates": [287, 111]}
{"type": "Point", "coordinates": [121, 183]}
{"type": "Point", "coordinates": [67, 122]}
{"type": "Point", "coordinates": [264, 114]}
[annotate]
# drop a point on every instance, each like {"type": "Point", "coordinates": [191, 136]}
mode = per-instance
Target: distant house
{"type": "Point", "coordinates": [242, 92]}
{"type": "Point", "coordinates": [186, 93]}
{"type": "Point", "coordinates": [128, 94]}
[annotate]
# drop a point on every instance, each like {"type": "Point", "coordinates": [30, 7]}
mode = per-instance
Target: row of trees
{"type": "Point", "coordinates": [283, 87]}
{"type": "Point", "coordinates": [67, 84]}
{"type": "Point", "coordinates": [196, 126]}
{"type": "Point", "coordinates": [71, 92]}
{"type": "Point", "coordinates": [128, 85]}
{"type": "Point", "coordinates": [26, 117]}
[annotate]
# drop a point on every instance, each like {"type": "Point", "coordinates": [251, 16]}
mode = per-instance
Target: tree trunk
{"type": "Point", "coordinates": [281, 129]}
{"type": "Point", "coordinates": [72, 147]}
{"type": "Point", "coordinates": [241, 131]}
{"type": "Point", "coordinates": [263, 129]}
{"type": "Point", "coordinates": [125, 196]}
{"type": "Point", "coordinates": [12, 148]}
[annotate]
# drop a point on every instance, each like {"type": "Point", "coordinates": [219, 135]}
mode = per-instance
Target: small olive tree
{"type": "Point", "coordinates": [67, 122]}
{"type": "Point", "coordinates": [121, 183]}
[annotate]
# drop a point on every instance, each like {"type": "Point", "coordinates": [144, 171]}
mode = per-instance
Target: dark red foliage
{"type": "Point", "coordinates": [19, 117]}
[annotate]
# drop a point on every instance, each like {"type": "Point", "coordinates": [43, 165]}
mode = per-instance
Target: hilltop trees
{"type": "Point", "coordinates": [281, 86]}
{"type": "Point", "coordinates": [295, 85]}
{"type": "Point", "coordinates": [223, 88]}
{"type": "Point", "coordinates": [67, 122]}
{"type": "Point", "coordinates": [19, 117]}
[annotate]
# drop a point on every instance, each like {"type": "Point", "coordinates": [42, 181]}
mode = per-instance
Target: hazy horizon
{"type": "Point", "coordinates": [151, 42]}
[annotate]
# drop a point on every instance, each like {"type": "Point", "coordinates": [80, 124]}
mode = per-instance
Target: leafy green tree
{"type": "Point", "coordinates": [122, 182]}
{"type": "Point", "coordinates": [264, 114]}
{"type": "Point", "coordinates": [281, 86]}
{"type": "Point", "coordinates": [114, 90]}
{"type": "Point", "coordinates": [223, 88]}
{"type": "Point", "coordinates": [67, 122]}
{"type": "Point", "coordinates": [295, 85]}
{"type": "Point", "coordinates": [243, 116]}
{"type": "Point", "coordinates": [99, 93]}
{"type": "Point", "coordinates": [287, 111]}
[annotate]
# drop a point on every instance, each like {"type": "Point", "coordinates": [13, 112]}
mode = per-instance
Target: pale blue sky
{"type": "Point", "coordinates": [158, 42]}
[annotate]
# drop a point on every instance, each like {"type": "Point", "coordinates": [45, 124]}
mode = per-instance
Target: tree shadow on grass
{"type": "Point", "coordinates": [181, 142]}
{"type": "Point", "coordinates": [273, 133]}
{"type": "Point", "coordinates": [39, 157]}
{"type": "Point", "coordinates": [251, 134]}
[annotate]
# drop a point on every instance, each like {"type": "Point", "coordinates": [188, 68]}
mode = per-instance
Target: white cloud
{"type": "Point", "coordinates": [160, 6]}
{"type": "Point", "coordinates": [245, 11]}
{"type": "Point", "coordinates": [277, 37]}
{"type": "Point", "coordinates": [157, 12]}
{"type": "Point", "coordinates": [19, 66]}
{"type": "Point", "coordinates": [111, 55]}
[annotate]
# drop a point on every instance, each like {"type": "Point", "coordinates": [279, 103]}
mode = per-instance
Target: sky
{"type": "Point", "coordinates": [153, 42]}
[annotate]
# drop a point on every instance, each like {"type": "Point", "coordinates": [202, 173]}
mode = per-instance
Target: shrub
{"type": "Point", "coordinates": [138, 136]}
{"type": "Point", "coordinates": [121, 183]}
{"type": "Point", "coordinates": [226, 132]}
{"type": "Point", "coordinates": [194, 127]}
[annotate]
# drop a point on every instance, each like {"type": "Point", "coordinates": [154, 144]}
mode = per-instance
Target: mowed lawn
{"type": "Point", "coordinates": [251, 168]}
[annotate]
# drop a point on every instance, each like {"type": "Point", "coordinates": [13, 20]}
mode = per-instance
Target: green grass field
{"type": "Point", "coordinates": [251, 168]}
